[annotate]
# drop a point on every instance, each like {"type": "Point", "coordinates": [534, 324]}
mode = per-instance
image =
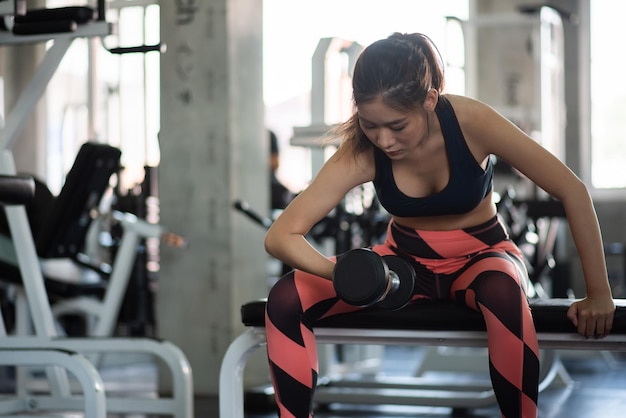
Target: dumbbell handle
{"type": "Point", "coordinates": [393, 283]}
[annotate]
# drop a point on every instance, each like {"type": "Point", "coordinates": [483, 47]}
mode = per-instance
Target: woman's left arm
{"type": "Point", "coordinates": [487, 132]}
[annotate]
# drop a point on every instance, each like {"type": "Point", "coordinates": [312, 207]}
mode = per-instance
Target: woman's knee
{"type": "Point", "coordinates": [496, 285]}
{"type": "Point", "coordinates": [283, 296]}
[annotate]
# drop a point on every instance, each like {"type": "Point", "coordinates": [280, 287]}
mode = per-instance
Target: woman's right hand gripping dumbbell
{"type": "Point", "coordinates": [364, 278]}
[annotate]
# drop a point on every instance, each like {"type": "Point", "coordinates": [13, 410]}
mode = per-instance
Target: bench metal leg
{"type": "Point", "coordinates": [417, 391]}
{"type": "Point", "coordinates": [231, 372]}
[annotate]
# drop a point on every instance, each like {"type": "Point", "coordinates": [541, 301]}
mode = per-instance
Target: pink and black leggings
{"type": "Point", "coordinates": [477, 267]}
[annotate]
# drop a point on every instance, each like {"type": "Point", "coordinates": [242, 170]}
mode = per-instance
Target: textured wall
{"type": "Point", "coordinates": [213, 151]}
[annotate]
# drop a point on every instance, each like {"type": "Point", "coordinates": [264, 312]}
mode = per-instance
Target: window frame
{"type": "Point", "coordinates": [585, 109]}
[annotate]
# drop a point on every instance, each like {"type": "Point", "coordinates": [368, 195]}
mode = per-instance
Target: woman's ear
{"type": "Point", "coordinates": [430, 102]}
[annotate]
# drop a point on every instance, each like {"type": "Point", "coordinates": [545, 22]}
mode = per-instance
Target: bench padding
{"type": "Point", "coordinates": [16, 190]}
{"type": "Point", "coordinates": [550, 315]}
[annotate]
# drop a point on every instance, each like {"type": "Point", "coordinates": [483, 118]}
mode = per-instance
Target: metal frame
{"type": "Point", "coordinates": [179, 404]}
{"type": "Point", "coordinates": [46, 341]}
{"type": "Point", "coordinates": [92, 401]}
{"type": "Point", "coordinates": [234, 362]}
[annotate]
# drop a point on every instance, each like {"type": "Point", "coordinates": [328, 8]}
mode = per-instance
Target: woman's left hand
{"type": "Point", "coordinates": [592, 317]}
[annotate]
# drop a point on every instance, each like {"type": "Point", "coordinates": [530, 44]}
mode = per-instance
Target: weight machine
{"type": "Point", "coordinates": [46, 339]}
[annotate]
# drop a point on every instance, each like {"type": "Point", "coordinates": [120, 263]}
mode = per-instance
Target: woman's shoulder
{"type": "Point", "coordinates": [463, 103]}
{"type": "Point", "coordinates": [359, 162]}
{"type": "Point", "coordinates": [470, 111]}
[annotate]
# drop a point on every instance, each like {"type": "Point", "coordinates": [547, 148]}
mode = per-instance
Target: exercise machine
{"type": "Point", "coordinates": [45, 334]}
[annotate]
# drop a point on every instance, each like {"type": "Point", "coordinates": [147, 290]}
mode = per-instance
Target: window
{"type": "Point", "coordinates": [291, 33]}
{"type": "Point", "coordinates": [111, 98]}
{"type": "Point", "coordinates": [608, 94]}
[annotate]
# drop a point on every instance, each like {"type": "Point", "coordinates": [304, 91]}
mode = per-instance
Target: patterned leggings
{"type": "Point", "coordinates": [476, 267]}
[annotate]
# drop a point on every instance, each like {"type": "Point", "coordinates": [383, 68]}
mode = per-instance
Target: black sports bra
{"type": "Point", "coordinates": [469, 184]}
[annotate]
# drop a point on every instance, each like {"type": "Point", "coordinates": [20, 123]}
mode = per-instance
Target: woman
{"type": "Point", "coordinates": [428, 155]}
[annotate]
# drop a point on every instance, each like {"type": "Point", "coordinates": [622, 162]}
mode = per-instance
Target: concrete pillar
{"type": "Point", "coordinates": [213, 151]}
{"type": "Point", "coordinates": [18, 64]}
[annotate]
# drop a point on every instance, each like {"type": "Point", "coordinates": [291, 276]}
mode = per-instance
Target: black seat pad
{"type": "Point", "coordinates": [549, 315]}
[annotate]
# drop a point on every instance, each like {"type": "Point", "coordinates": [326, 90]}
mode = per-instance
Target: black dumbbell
{"type": "Point", "coordinates": [364, 278]}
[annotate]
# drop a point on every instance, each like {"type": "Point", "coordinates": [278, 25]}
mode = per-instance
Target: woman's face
{"type": "Point", "coordinates": [395, 132]}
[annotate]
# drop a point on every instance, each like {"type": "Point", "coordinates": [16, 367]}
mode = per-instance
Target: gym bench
{"type": "Point", "coordinates": [419, 324]}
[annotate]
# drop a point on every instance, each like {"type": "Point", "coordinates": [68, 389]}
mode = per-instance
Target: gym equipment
{"type": "Point", "coordinates": [16, 190]}
{"type": "Point", "coordinates": [62, 235]}
{"type": "Point", "coordinates": [35, 306]}
{"type": "Point", "coordinates": [134, 49]}
{"type": "Point", "coordinates": [424, 323]}
{"type": "Point", "coordinates": [19, 190]}
{"type": "Point", "coordinates": [12, 8]}
{"type": "Point", "coordinates": [245, 208]}
{"type": "Point", "coordinates": [76, 285]}
{"type": "Point", "coordinates": [364, 278]}
{"type": "Point", "coordinates": [59, 225]}
{"type": "Point", "coordinates": [367, 227]}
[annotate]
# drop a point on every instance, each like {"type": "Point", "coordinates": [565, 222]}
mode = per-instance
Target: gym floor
{"type": "Point", "coordinates": [597, 389]}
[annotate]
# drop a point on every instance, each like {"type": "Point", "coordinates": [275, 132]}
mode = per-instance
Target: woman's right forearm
{"type": "Point", "coordinates": [297, 252]}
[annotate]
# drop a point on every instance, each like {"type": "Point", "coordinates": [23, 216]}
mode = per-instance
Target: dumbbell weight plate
{"type": "Point", "coordinates": [360, 277]}
{"type": "Point", "coordinates": [401, 296]}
